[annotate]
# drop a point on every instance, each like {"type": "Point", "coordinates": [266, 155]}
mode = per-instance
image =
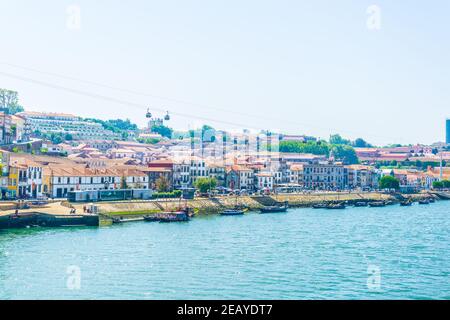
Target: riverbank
{"type": "Point", "coordinates": [133, 209]}
{"type": "Point", "coordinates": [59, 213]}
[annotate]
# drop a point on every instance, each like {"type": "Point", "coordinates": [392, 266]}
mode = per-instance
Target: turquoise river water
{"type": "Point", "coordinates": [358, 253]}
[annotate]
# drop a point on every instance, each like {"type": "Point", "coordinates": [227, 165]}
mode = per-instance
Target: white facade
{"type": "Point", "coordinates": [66, 124]}
{"type": "Point", "coordinates": [60, 185]}
{"type": "Point", "coordinates": [246, 179]}
{"type": "Point", "coordinates": [264, 181]}
{"type": "Point", "coordinates": [30, 182]}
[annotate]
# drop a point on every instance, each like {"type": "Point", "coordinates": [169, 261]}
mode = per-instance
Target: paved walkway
{"type": "Point", "coordinates": [52, 208]}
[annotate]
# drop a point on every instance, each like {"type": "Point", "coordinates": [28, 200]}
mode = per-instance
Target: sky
{"type": "Point", "coordinates": [298, 67]}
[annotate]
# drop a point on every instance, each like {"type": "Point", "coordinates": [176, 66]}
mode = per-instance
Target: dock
{"type": "Point", "coordinates": [51, 215]}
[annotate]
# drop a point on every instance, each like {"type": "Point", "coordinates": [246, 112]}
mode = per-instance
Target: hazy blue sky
{"type": "Point", "coordinates": [311, 67]}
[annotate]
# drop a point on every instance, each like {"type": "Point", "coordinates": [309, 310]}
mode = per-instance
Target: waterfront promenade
{"type": "Point", "coordinates": [139, 208]}
{"type": "Point", "coordinates": [53, 208]}
{"type": "Point", "coordinates": [217, 204]}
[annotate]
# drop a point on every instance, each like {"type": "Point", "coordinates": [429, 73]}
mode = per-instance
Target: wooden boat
{"type": "Point", "coordinates": [377, 204]}
{"type": "Point", "coordinates": [424, 201]}
{"type": "Point", "coordinates": [152, 218]}
{"type": "Point", "coordinates": [336, 206]}
{"type": "Point", "coordinates": [180, 216]}
{"type": "Point", "coordinates": [176, 216]}
{"type": "Point", "coordinates": [232, 212]}
{"type": "Point", "coordinates": [274, 209]}
{"type": "Point", "coordinates": [117, 220]}
{"type": "Point", "coordinates": [406, 203]}
{"type": "Point", "coordinates": [320, 206]}
{"type": "Point", "coordinates": [361, 204]}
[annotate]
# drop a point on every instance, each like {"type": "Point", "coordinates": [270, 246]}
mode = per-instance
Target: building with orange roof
{"type": "Point", "coordinates": [362, 176]}
{"type": "Point", "coordinates": [265, 181]}
{"type": "Point", "coordinates": [295, 174]}
{"type": "Point", "coordinates": [25, 178]}
{"type": "Point", "coordinates": [240, 177]}
{"type": "Point", "coordinates": [61, 179]}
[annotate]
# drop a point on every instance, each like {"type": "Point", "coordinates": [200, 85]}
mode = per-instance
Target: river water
{"type": "Point", "coordinates": [358, 253]}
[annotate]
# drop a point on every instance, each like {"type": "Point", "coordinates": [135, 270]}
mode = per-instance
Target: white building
{"type": "Point", "coordinates": [181, 175]}
{"type": "Point", "coordinates": [61, 123]}
{"type": "Point", "coordinates": [62, 179]}
{"type": "Point", "coordinates": [29, 181]}
{"type": "Point", "coordinates": [264, 180]}
{"type": "Point", "coordinates": [324, 175]}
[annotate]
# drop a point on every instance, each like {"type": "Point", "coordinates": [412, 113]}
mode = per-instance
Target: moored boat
{"type": "Point", "coordinates": [320, 206]}
{"type": "Point", "coordinates": [176, 216]}
{"type": "Point", "coordinates": [180, 216]}
{"type": "Point", "coordinates": [336, 206]}
{"type": "Point", "coordinates": [406, 203]}
{"type": "Point", "coordinates": [377, 204]}
{"type": "Point", "coordinates": [274, 209]}
{"type": "Point", "coordinates": [424, 201]}
{"type": "Point", "coordinates": [152, 218]}
{"type": "Point", "coordinates": [361, 204]}
{"type": "Point", "coordinates": [232, 212]}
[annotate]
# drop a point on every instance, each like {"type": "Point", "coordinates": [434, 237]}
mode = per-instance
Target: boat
{"type": "Point", "coordinates": [389, 203]}
{"type": "Point", "coordinates": [406, 203]}
{"type": "Point", "coordinates": [275, 209]}
{"type": "Point", "coordinates": [180, 216]}
{"type": "Point", "coordinates": [431, 200]}
{"type": "Point", "coordinates": [175, 216]}
{"type": "Point", "coordinates": [232, 212]}
{"type": "Point", "coordinates": [152, 218]}
{"type": "Point", "coordinates": [336, 206]}
{"type": "Point", "coordinates": [361, 204]}
{"type": "Point", "coordinates": [424, 201]}
{"type": "Point", "coordinates": [117, 220]}
{"type": "Point", "coordinates": [320, 206]}
{"type": "Point", "coordinates": [376, 204]}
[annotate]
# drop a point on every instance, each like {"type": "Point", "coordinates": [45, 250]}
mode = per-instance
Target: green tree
{"type": "Point", "coordinates": [149, 140]}
{"type": "Point", "coordinates": [56, 138]}
{"type": "Point", "coordinates": [438, 185]}
{"type": "Point", "coordinates": [361, 143]}
{"type": "Point", "coordinates": [205, 184]}
{"type": "Point", "coordinates": [345, 153]}
{"type": "Point", "coordinates": [120, 124]}
{"type": "Point", "coordinates": [163, 130]}
{"type": "Point", "coordinates": [317, 148]}
{"type": "Point", "coordinates": [337, 139]}
{"type": "Point", "coordinates": [389, 182]}
{"type": "Point", "coordinates": [162, 184]}
{"type": "Point", "coordinates": [208, 133]}
{"type": "Point", "coordinates": [9, 101]}
{"type": "Point", "coordinates": [441, 184]}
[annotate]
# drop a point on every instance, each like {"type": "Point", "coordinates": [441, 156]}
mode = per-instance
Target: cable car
{"type": "Point", "coordinates": [148, 115]}
{"type": "Point", "coordinates": [167, 117]}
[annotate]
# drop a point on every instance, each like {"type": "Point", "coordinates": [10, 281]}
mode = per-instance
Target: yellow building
{"type": "Point", "coordinates": [13, 181]}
